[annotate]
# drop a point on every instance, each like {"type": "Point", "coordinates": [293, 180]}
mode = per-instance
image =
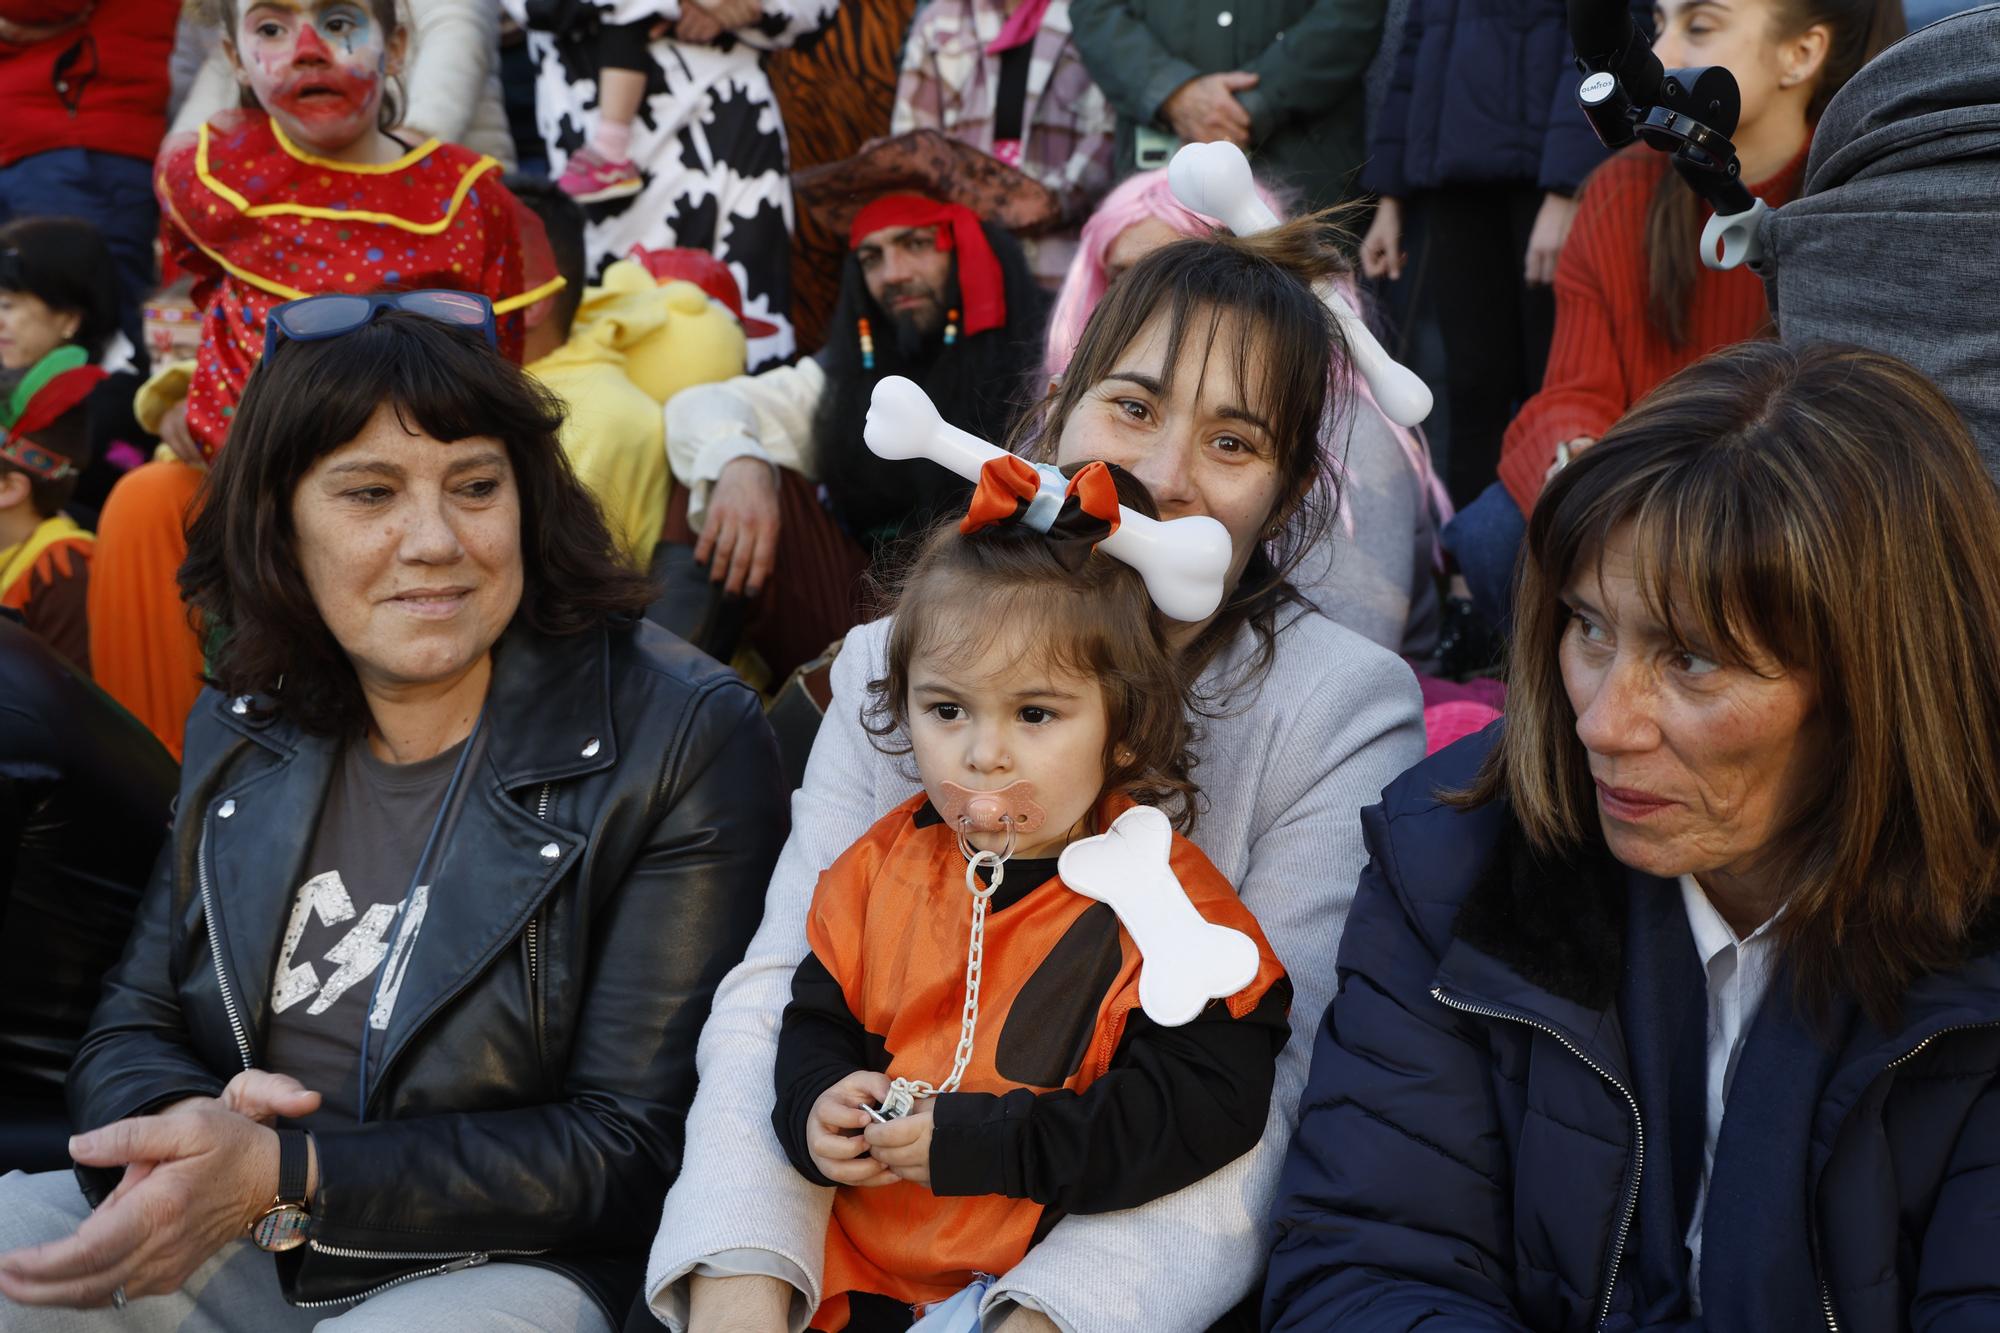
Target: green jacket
{"type": "Point", "coordinates": [1310, 57]}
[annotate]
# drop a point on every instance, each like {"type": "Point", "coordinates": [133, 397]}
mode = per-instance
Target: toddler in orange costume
{"type": "Point", "coordinates": [977, 1043]}
{"type": "Point", "coordinates": [306, 191]}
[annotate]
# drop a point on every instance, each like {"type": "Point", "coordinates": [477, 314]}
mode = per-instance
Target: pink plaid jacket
{"type": "Point", "coordinates": [950, 84]}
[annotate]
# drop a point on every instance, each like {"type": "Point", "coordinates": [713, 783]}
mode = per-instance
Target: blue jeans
{"type": "Point", "coordinates": [113, 194]}
{"type": "Point", "coordinates": [1485, 537]}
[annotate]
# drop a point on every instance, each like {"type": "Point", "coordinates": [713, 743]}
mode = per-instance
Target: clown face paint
{"type": "Point", "coordinates": [318, 67]}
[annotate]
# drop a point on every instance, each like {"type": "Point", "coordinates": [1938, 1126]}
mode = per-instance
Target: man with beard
{"type": "Point", "coordinates": [790, 506]}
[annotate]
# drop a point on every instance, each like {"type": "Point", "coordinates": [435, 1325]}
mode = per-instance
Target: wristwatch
{"type": "Point", "coordinates": [283, 1225]}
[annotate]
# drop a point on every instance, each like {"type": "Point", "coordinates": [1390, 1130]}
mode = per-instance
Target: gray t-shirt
{"type": "Point", "coordinates": [349, 917]}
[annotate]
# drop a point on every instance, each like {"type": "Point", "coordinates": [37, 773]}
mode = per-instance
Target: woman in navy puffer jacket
{"type": "Point", "coordinates": [1672, 1002]}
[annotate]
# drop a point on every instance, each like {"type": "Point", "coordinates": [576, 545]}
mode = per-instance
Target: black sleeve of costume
{"type": "Point", "coordinates": [820, 1042]}
{"type": "Point", "coordinates": [1176, 1105]}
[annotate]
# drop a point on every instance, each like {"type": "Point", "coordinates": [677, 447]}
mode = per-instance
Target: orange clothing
{"type": "Point", "coordinates": [889, 921]}
{"type": "Point", "coordinates": [46, 578]}
{"type": "Point", "coordinates": [145, 654]}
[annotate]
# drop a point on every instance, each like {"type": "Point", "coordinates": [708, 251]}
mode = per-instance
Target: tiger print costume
{"type": "Point", "coordinates": [836, 89]}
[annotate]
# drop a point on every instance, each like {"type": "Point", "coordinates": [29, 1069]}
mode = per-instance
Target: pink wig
{"type": "Point", "coordinates": [1132, 201]}
{"type": "Point", "coordinates": [1147, 195]}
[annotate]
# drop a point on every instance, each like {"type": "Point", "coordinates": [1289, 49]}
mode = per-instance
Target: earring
{"type": "Point", "coordinates": [951, 327]}
{"type": "Point", "coordinates": [867, 345]}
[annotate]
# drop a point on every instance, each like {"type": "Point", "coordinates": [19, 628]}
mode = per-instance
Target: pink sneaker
{"type": "Point", "coordinates": [589, 179]}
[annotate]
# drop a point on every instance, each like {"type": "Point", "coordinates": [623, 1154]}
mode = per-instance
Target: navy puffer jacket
{"type": "Point", "coordinates": [1468, 1156]}
{"type": "Point", "coordinates": [1484, 92]}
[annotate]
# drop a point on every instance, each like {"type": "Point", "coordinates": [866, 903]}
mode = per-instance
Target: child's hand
{"type": "Point", "coordinates": [839, 1154]}
{"type": "Point", "coordinates": [904, 1146]}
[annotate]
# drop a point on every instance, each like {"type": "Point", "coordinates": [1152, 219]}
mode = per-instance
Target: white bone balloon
{"type": "Point", "coordinates": [1184, 561]}
{"type": "Point", "coordinates": [1214, 178]}
{"type": "Point", "coordinates": [1186, 960]}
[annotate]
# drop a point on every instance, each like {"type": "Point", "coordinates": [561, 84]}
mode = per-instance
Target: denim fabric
{"type": "Point", "coordinates": [1485, 537]}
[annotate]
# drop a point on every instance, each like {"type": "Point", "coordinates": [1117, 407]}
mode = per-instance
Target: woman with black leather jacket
{"type": "Point", "coordinates": [462, 849]}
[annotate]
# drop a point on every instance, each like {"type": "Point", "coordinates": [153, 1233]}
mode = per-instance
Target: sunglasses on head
{"type": "Point", "coordinates": [312, 318]}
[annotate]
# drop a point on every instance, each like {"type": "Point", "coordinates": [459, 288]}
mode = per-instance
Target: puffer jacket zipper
{"type": "Point", "coordinates": [1825, 1288]}
{"type": "Point", "coordinates": [1638, 1130]}
{"type": "Point", "coordinates": [215, 948]}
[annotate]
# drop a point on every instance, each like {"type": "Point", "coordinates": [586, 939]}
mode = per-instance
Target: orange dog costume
{"type": "Point", "coordinates": [1064, 1065]}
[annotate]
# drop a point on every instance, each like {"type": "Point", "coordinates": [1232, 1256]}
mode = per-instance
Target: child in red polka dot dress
{"type": "Point", "coordinates": [307, 193]}
{"type": "Point", "coordinates": [305, 189]}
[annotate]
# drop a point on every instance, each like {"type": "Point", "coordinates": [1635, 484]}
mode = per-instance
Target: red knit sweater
{"type": "Point", "coordinates": [1606, 355]}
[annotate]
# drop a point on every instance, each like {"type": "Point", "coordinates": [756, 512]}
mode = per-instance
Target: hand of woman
{"type": "Point", "coordinates": [1545, 239]}
{"type": "Point", "coordinates": [1382, 247]}
{"type": "Point", "coordinates": [1566, 453]}
{"type": "Point", "coordinates": [195, 1177]}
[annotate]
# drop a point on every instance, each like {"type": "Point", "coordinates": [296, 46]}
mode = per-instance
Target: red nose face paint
{"type": "Point", "coordinates": [1012, 806]}
{"type": "Point", "coordinates": [309, 45]}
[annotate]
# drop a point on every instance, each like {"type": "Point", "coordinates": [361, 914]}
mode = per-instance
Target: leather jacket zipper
{"type": "Point", "coordinates": [215, 948]}
{"type": "Point", "coordinates": [534, 935]}
{"type": "Point", "coordinates": [451, 1263]}
{"type": "Point", "coordinates": [541, 811]}
{"type": "Point", "coordinates": [1638, 1131]}
{"type": "Point", "coordinates": [1825, 1289]}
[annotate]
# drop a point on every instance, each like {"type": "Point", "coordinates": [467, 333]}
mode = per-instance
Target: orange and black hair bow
{"type": "Point", "coordinates": [1075, 515]}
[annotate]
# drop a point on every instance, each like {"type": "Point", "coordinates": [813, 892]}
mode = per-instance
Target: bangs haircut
{"type": "Point", "coordinates": [1250, 300]}
{"type": "Point", "coordinates": [64, 263]}
{"type": "Point", "coordinates": [960, 594]}
{"type": "Point", "coordinates": [242, 576]}
{"type": "Point", "coordinates": [1825, 512]}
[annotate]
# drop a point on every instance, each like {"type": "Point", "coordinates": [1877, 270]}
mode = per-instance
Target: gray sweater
{"type": "Point", "coordinates": [1285, 773]}
{"type": "Point", "coordinates": [1379, 578]}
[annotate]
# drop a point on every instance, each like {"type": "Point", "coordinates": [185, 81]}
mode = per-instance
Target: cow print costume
{"type": "Point", "coordinates": [708, 141]}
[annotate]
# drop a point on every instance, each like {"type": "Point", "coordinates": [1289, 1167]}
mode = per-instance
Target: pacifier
{"type": "Point", "coordinates": [1011, 808]}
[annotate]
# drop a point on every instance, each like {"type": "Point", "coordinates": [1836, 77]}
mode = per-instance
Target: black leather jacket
{"type": "Point", "coordinates": [607, 868]}
{"type": "Point", "coordinates": [84, 798]}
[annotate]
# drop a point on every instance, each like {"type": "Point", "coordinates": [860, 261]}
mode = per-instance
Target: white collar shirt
{"type": "Point", "coordinates": [1738, 972]}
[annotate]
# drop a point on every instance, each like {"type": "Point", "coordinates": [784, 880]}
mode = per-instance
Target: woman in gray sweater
{"type": "Point", "coordinates": [1205, 374]}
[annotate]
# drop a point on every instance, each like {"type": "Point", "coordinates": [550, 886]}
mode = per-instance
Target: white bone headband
{"type": "Point", "coordinates": [1214, 178]}
{"type": "Point", "coordinates": [1184, 561]}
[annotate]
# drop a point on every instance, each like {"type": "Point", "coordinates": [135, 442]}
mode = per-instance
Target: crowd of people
{"type": "Point", "coordinates": [555, 783]}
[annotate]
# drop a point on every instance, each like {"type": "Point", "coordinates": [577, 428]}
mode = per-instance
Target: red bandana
{"type": "Point", "coordinates": [978, 268]}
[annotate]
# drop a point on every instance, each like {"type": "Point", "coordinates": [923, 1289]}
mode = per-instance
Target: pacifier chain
{"type": "Point", "coordinates": [905, 1093]}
